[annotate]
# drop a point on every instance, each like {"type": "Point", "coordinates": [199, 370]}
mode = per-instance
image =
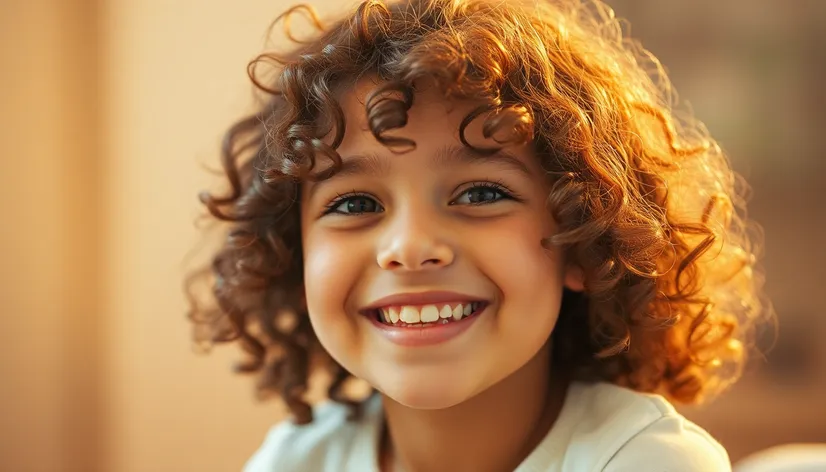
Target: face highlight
{"type": "Point", "coordinates": [435, 236]}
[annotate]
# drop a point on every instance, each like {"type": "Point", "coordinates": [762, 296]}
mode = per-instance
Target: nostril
{"type": "Point", "coordinates": [425, 263]}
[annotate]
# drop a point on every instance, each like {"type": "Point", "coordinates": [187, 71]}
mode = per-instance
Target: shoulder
{"type": "Point", "coordinates": [635, 431]}
{"type": "Point", "coordinates": [326, 443]}
{"type": "Point", "coordinates": [672, 444]}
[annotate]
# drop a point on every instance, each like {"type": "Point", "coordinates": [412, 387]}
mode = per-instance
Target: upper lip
{"type": "Point", "coordinates": [421, 298]}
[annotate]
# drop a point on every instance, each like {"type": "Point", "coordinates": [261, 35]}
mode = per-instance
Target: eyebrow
{"type": "Point", "coordinates": [373, 165]}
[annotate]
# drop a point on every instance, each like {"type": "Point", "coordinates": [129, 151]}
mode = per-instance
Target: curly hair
{"type": "Point", "coordinates": [646, 202]}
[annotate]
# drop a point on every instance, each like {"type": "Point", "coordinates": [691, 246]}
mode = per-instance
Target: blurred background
{"type": "Point", "coordinates": [110, 112]}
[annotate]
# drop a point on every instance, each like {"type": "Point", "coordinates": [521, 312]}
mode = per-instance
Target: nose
{"type": "Point", "coordinates": [415, 241]}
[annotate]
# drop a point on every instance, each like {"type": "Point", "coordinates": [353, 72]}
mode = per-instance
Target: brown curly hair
{"type": "Point", "coordinates": [646, 202]}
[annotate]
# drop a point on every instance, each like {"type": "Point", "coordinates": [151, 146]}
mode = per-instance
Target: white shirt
{"type": "Point", "coordinates": [601, 427]}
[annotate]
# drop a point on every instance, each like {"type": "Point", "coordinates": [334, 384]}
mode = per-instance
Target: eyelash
{"type": "Point", "coordinates": [330, 208]}
{"type": "Point", "coordinates": [496, 186]}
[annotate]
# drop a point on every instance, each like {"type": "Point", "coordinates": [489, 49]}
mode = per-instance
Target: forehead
{"type": "Point", "coordinates": [433, 121]}
{"type": "Point", "coordinates": [429, 104]}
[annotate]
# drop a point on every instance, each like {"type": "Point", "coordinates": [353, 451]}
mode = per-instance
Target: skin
{"type": "Point", "coordinates": [418, 231]}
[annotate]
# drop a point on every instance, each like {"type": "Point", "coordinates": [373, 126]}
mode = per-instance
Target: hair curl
{"type": "Point", "coordinates": [646, 202]}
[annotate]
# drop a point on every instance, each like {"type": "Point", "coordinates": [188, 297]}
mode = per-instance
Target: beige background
{"type": "Point", "coordinates": [109, 111]}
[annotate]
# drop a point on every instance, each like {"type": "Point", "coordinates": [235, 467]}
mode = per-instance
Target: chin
{"type": "Point", "coordinates": [421, 399]}
{"type": "Point", "coordinates": [426, 393]}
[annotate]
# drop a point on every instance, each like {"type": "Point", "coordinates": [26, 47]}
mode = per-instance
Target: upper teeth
{"type": "Point", "coordinates": [427, 313]}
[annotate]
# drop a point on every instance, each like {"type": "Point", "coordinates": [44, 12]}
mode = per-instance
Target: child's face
{"type": "Point", "coordinates": [416, 232]}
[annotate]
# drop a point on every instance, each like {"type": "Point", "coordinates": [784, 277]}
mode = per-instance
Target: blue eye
{"type": "Point", "coordinates": [483, 194]}
{"type": "Point", "coordinates": [353, 205]}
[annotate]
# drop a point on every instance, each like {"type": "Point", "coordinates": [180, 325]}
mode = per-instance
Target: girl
{"type": "Point", "coordinates": [491, 213]}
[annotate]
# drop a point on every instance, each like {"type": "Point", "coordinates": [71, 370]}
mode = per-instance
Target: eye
{"type": "Point", "coordinates": [353, 204]}
{"type": "Point", "coordinates": [483, 194]}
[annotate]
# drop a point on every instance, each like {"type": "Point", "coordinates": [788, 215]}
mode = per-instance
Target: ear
{"type": "Point", "coordinates": [574, 278]}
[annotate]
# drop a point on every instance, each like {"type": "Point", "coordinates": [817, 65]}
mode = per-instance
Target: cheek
{"type": "Point", "coordinates": [529, 277]}
{"type": "Point", "coordinates": [334, 265]}
{"type": "Point", "coordinates": [519, 257]}
{"type": "Point", "coordinates": [329, 275]}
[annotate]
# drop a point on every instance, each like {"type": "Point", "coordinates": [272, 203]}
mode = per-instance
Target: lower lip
{"type": "Point", "coordinates": [429, 335]}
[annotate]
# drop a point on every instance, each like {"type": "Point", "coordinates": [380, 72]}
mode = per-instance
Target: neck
{"type": "Point", "coordinates": [469, 436]}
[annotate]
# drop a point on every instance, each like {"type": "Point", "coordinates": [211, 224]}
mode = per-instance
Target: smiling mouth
{"type": "Point", "coordinates": [420, 316]}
